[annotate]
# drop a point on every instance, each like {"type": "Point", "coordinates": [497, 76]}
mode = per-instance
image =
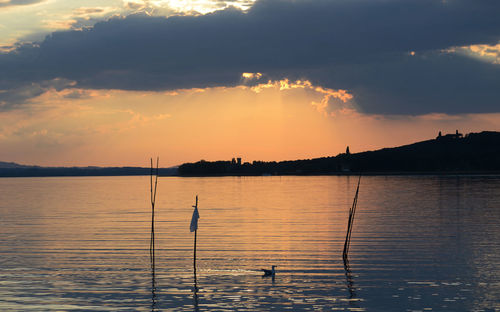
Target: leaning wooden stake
{"type": "Point", "coordinates": [350, 222]}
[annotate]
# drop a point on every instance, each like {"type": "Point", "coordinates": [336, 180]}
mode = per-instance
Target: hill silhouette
{"type": "Point", "coordinates": [9, 169]}
{"type": "Point", "coordinates": [452, 153]}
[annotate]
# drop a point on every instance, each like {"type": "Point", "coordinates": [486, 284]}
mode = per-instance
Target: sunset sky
{"type": "Point", "coordinates": [115, 82]}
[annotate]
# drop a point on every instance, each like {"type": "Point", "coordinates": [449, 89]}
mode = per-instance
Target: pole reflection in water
{"type": "Point", "coordinates": [353, 301]}
{"type": "Point", "coordinates": [154, 300]}
{"type": "Point", "coordinates": [195, 293]}
{"type": "Point", "coordinates": [349, 279]}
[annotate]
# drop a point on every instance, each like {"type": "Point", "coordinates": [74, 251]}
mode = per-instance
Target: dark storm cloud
{"type": "Point", "coordinates": [362, 46]}
{"type": "Point", "coordinates": [19, 93]}
{"type": "Point", "coordinates": [18, 2]}
{"type": "Point", "coordinates": [420, 84]}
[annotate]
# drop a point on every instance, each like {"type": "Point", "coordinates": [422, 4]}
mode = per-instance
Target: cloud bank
{"type": "Point", "coordinates": [393, 55]}
{"type": "Point", "coordinates": [9, 3]}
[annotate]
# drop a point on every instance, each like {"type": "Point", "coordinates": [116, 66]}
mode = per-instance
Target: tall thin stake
{"type": "Point", "coordinates": [153, 201]}
{"type": "Point", "coordinates": [152, 241]}
{"type": "Point", "coordinates": [195, 232]}
{"type": "Point", "coordinates": [352, 212]}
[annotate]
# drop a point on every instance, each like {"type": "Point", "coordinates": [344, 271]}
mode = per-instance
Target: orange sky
{"type": "Point", "coordinates": [275, 121]}
{"type": "Point", "coordinates": [47, 48]}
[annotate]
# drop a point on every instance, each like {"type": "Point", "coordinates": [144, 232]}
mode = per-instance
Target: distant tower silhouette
{"type": "Point", "coordinates": [347, 150]}
{"type": "Point", "coordinates": [238, 160]}
{"type": "Point", "coordinates": [439, 135]}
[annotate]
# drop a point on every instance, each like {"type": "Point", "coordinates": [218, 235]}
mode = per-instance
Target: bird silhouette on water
{"type": "Point", "coordinates": [271, 272]}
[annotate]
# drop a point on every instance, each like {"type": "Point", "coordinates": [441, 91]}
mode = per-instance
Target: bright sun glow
{"type": "Point", "coordinates": [485, 52]}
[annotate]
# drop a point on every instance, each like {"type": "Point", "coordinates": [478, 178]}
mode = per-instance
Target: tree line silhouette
{"type": "Point", "coordinates": [474, 152]}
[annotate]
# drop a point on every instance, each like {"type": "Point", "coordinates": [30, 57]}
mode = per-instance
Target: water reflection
{"type": "Point", "coordinates": [349, 278]}
{"type": "Point", "coordinates": [271, 277]}
{"type": "Point", "coordinates": [154, 299]}
{"type": "Point", "coordinates": [195, 292]}
{"type": "Point", "coordinates": [419, 243]}
{"type": "Point", "coordinates": [152, 257]}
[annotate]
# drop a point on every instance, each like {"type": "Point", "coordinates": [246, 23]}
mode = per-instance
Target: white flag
{"type": "Point", "coordinates": [194, 220]}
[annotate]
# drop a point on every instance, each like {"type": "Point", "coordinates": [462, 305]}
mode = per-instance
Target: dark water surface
{"type": "Point", "coordinates": [418, 244]}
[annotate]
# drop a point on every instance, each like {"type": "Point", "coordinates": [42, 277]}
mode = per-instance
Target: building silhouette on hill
{"type": "Point", "coordinates": [236, 161]}
{"type": "Point", "coordinates": [449, 153]}
{"type": "Point", "coordinates": [456, 135]}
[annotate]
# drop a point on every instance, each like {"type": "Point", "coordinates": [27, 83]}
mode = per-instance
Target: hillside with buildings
{"type": "Point", "coordinates": [450, 153]}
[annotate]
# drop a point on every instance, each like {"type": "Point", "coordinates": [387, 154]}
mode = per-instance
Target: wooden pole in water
{"type": "Point", "coordinates": [152, 208]}
{"type": "Point", "coordinates": [153, 201]}
{"type": "Point", "coordinates": [195, 232]}
{"type": "Point", "coordinates": [152, 240]}
{"type": "Point", "coordinates": [350, 222]}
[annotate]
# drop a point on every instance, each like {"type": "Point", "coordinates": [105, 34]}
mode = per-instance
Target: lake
{"type": "Point", "coordinates": [419, 243]}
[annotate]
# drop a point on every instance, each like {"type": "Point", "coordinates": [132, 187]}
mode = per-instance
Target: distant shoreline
{"type": "Point", "coordinates": [354, 174]}
{"type": "Point", "coordinates": [81, 171]}
{"type": "Point", "coordinates": [449, 154]}
{"type": "Point", "coordinates": [474, 153]}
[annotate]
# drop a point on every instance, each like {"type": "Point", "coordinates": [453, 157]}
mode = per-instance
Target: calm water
{"type": "Point", "coordinates": [418, 244]}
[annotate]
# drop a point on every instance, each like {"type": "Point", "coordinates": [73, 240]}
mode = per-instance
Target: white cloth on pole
{"type": "Point", "coordinates": [194, 220]}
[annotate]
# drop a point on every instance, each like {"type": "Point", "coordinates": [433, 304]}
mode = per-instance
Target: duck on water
{"type": "Point", "coordinates": [271, 272]}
